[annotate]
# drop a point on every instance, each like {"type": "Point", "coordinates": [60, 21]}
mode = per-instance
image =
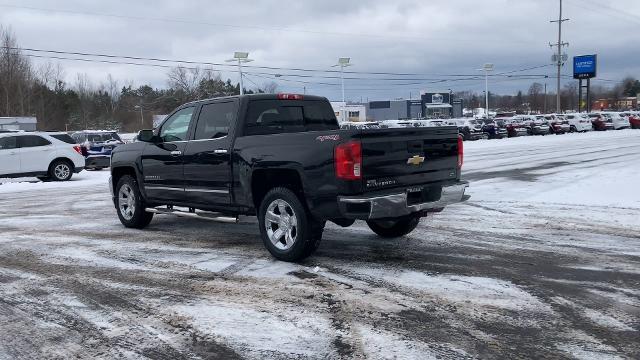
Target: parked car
{"type": "Point", "coordinates": [97, 146]}
{"type": "Point", "coordinates": [41, 155]}
{"type": "Point", "coordinates": [283, 158]}
{"type": "Point", "coordinates": [494, 129]}
{"type": "Point", "coordinates": [538, 125]}
{"type": "Point", "coordinates": [614, 121]}
{"type": "Point", "coordinates": [634, 119]}
{"type": "Point", "coordinates": [516, 127]}
{"type": "Point", "coordinates": [579, 122]}
{"type": "Point", "coordinates": [618, 120]}
{"type": "Point", "coordinates": [600, 122]}
{"type": "Point", "coordinates": [557, 124]}
{"type": "Point", "coordinates": [471, 129]}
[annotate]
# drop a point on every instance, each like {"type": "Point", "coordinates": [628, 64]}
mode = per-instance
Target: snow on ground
{"type": "Point", "coordinates": [541, 262]}
{"type": "Point", "coordinates": [84, 178]}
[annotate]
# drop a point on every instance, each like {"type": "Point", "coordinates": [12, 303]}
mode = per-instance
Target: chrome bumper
{"type": "Point", "coordinates": [395, 205]}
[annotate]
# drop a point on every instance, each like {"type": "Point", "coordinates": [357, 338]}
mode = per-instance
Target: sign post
{"type": "Point", "coordinates": [584, 67]}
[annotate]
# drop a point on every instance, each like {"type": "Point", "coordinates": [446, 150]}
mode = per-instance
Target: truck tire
{"type": "Point", "coordinates": [60, 170]}
{"type": "Point", "coordinates": [130, 205]}
{"type": "Point", "coordinates": [394, 228]}
{"type": "Point", "coordinates": [286, 227]}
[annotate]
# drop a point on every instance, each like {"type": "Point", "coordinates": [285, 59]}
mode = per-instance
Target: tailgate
{"type": "Point", "coordinates": [411, 156]}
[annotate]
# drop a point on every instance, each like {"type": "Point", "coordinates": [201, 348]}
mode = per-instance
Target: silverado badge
{"type": "Point", "coordinates": [415, 160]}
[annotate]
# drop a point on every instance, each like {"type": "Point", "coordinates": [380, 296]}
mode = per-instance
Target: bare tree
{"type": "Point", "coordinates": [185, 80]}
{"type": "Point", "coordinates": [270, 87]}
{"type": "Point", "coordinates": [535, 96]}
{"type": "Point", "coordinates": [84, 90]}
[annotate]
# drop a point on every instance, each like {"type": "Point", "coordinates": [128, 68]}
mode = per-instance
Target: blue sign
{"type": "Point", "coordinates": [585, 66]}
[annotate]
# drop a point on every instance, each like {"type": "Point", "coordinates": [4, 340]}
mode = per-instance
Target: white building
{"type": "Point", "coordinates": [349, 112]}
{"type": "Point", "coordinates": [18, 123]}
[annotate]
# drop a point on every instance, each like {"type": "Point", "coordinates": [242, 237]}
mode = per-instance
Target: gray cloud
{"type": "Point", "coordinates": [430, 38]}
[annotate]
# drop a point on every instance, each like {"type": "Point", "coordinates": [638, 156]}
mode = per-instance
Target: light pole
{"type": "Point", "coordinates": [486, 68]}
{"type": "Point", "coordinates": [240, 57]}
{"type": "Point", "coordinates": [139, 107]}
{"type": "Point", "coordinates": [343, 62]}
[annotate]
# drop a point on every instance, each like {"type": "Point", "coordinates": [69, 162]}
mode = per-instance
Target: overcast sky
{"type": "Point", "coordinates": [430, 38]}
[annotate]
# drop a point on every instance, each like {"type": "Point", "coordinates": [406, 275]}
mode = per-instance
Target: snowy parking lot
{"type": "Point", "coordinates": [542, 261]}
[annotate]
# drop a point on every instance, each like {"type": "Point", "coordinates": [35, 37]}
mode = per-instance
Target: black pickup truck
{"type": "Point", "coordinates": [284, 158]}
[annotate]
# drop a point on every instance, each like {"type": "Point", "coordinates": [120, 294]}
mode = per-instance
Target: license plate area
{"type": "Point", "coordinates": [425, 194]}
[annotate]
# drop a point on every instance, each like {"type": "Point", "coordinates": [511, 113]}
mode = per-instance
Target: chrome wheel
{"type": "Point", "coordinates": [61, 171]}
{"type": "Point", "coordinates": [126, 202]}
{"type": "Point", "coordinates": [281, 224]}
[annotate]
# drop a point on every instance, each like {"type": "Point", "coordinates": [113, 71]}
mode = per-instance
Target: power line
{"type": "Point", "coordinates": [205, 63]}
{"type": "Point", "coordinates": [277, 75]}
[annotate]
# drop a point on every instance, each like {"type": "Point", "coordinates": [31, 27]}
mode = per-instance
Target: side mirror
{"type": "Point", "coordinates": [146, 136]}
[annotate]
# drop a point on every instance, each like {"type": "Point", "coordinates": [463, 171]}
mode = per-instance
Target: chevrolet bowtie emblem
{"type": "Point", "coordinates": [415, 160]}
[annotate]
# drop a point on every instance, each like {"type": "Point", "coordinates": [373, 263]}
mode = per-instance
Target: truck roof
{"type": "Point", "coordinates": [256, 97]}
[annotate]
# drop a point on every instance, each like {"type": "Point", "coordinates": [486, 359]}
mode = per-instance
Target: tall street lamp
{"type": "Point", "coordinates": [486, 68]}
{"type": "Point", "coordinates": [240, 57]}
{"type": "Point", "coordinates": [343, 62]}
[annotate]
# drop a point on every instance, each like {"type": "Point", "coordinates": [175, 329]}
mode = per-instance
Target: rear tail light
{"type": "Point", "coordinates": [78, 149]}
{"type": "Point", "coordinates": [460, 152]}
{"type": "Point", "coordinates": [348, 161]}
{"type": "Point", "coordinates": [290, 97]}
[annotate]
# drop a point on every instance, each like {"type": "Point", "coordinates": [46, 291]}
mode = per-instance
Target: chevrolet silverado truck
{"type": "Point", "coordinates": [284, 159]}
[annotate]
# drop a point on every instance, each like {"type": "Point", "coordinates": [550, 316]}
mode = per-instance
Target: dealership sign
{"type": "Point", "coordinates": [585, 66]}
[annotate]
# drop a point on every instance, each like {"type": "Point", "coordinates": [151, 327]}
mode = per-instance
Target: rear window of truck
{"type": "Point", "coordinates": [283, 116]}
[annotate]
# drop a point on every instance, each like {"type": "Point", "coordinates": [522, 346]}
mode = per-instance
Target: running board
{"type": "Point", "coordinates": [196, 215]}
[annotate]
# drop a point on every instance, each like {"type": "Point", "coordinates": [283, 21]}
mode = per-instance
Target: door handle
{"type": "Point", "coordinates": [176, 153]}
{"type": "Point", "coordinates": [220, 151]}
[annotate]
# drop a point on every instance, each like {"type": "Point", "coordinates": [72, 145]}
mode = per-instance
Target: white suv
{"type": "Point", "coordinates": [579, 122]}
{"type": "Point", "coordinates": [46, 156]}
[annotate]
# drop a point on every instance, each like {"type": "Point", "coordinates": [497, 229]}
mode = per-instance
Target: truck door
{"type": "Point", "coordinates": [162, 162]}
{"type": "Point", "coordinates": [207, 158]}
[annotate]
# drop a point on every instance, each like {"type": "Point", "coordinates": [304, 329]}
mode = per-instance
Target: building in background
{"type": "Point", "coordinates": [625, 103]}
{"type": "Point", "coordinates": [388, 110]}
{"type": "Point", "coordinates": [18, 123]}
{"type": "Point", "coordinates": [437, 104]}
{"type": "Point", "coordinates": [349, 112]}
{"type": "Point", "coordinates": [431, 105]}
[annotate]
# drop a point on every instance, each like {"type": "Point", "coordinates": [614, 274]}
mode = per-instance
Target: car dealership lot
{"type": "Point", "coordinates": [543, 261]}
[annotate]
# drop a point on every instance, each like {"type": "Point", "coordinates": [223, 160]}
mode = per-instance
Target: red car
{"type": "Point", "coordinates": [634, 119]}
{"type": "Point", "coordinates": [600, 123]}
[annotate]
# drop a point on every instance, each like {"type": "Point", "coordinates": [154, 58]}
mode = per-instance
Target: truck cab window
{"type": "Point", "coordinates": [215, 119]}
{"type": "Point", "coordinates": [177, 126]}
{"type": "Point", "coordinates": [272, 117]}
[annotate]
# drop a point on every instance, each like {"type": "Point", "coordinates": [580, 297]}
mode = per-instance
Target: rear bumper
{"type": "Point", "coordinates": [395, 205]}
{"type": "Point", "coordinates": [99, 161]}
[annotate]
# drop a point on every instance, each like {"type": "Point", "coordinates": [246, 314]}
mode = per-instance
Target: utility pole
{"type": "Point", "coordinates": [240, 57]}
{"type": "Point", "coordinates": [545, 98]}
{"type": "Point", "coordinates": [559, 58]}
